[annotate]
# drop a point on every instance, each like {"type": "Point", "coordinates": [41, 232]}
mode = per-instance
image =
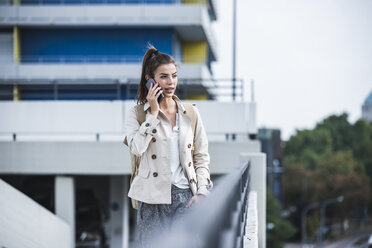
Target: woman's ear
{"type": "Point", "coordinates": [147, 77]}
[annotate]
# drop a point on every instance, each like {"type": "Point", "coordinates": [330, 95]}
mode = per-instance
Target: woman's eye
{"type": "Point", "coordinates": [174, 76]}
{"type": "Point", "coordinates": [163, 77]}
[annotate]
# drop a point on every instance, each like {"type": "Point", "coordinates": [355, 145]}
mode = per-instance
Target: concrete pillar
{"type": "Point", "coordinates": [258, 184]}
{"type": "Point", "coordinates": [119, 212]}
{"type": "Point", "coordinates": [65, 202]}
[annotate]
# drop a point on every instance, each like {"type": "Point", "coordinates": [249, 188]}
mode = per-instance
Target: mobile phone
{"type": "Point", "coordinates": [148, 85]}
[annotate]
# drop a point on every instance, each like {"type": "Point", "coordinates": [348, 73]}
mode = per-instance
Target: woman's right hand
{"type": "Point", "coordinates": [152, 98]}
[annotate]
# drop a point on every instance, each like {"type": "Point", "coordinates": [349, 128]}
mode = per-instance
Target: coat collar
{"type": "Point", "coordinates": [181, 109]}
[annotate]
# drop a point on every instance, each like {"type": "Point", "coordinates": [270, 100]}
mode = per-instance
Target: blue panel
{"type": "Point", "coordinates": [92, 45]}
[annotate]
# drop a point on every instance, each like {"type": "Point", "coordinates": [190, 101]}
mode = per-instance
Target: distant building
{"type": "Point", "coordinates": [271, 145]}
{"type": "Point", "coordinates": [367, 108]}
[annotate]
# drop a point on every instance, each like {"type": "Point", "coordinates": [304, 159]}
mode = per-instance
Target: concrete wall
{"type": "Point", "coordinates": [24, 223]}
{"type": "Point", "coordinates": [82, 120]}
{"type": "Point", "coordinates": [98, 158]}
{"type": "Point", "coordinates": [86, 137]}
{"type": "Point", "coordinates": [138, 15]}
{"type": "Point", "coordinates": [115, 71]}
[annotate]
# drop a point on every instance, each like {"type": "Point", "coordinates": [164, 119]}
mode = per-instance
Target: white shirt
{"type": "Point", "coordinates": [178, 177]}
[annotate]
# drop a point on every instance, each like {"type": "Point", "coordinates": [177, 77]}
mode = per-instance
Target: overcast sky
{"type": "Point", "coordinates": [308, 58]}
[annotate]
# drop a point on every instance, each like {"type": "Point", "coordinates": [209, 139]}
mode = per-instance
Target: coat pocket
{"type": "Point", "coordinates": [144, 170]}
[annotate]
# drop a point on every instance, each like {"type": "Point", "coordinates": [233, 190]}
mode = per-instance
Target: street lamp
{"type": "Point", "coordinates": [234, 52]}
{"type": "Point", "coordinates": [303, 220]}
{"type": "Point", "coordinates": [323, 206]}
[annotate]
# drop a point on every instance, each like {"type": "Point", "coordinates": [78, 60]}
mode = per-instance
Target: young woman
{"type": "Point", "coordinates": [174, 168]}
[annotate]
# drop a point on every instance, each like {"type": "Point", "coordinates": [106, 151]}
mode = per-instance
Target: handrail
{"type": "Point", "coordinates": [217, 221]}
{"type": "Point", "coordinates": [216, 88]}
{"type": "Point", "coordinates": [102, 2]}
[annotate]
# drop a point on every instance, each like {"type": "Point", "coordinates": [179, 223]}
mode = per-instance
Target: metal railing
{"type": "Point", "coordinates": [219, 89]}
{"type": "Point", "coordinates": [81, 59]}
{"type": "Point", "coordinates": [94, 59]}
{"type": "Point", "coordinates": [93, 2]}
{"type": "Point", "coordinates": [219, 221]}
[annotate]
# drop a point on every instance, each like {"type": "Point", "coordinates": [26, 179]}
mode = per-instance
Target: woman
{"type": "Point", "coordinates": [173, 146]}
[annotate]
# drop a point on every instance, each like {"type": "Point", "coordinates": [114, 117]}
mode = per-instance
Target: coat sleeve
{"type": "Point", "coordinates": [139, 136]}
{"type": "Point", "coordinates": [201, 157]}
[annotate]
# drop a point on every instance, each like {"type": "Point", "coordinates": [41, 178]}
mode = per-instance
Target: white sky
{"type": "Point", "coordinates": [308, 58]}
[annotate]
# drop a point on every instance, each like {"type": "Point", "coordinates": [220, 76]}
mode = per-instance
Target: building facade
{"type": "Point", "coordinates": [367, 108]}
{"type": "Point", "coordinates": [69, 73]}
{"type": "Point", "coordinates": [93, 49]}
{"type": "Point", "coordinates": [271, 145]}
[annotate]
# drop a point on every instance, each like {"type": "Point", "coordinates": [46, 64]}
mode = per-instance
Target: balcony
{"type": "Point", "coordinates": [36, 73]}
{"type": "Point", "coordinates": [77, 137]}
{"type": "Point", "coordinates": [191, 22]}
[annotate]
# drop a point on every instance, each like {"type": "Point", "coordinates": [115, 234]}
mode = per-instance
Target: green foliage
{"type": "Point", "coordinates": [313, 224]}
{"type": "Point", "coordinates": [362, 145]}
{"type": "Point", "coordinates": [341, 174]}
{"type": "Point", "coordinates": [342, 163]}
{"type": "Point", "coordinates": [295, 184]}
{"type": "Point", "coordinates": [339, 129]}
{"type": "Point", "coordinates": [308, 147]}
{"type": "Point", "coordinates": [283, 229]}
{"type": "Point", "coordinates": [333, 159]}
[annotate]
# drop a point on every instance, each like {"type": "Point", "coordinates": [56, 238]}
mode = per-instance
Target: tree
{"type": "Point", "coordinates": [341, 174]}
{"type": "Point", "coordinates": [308, 147]}
{"type": "Point", "coordinates": [330, 160]}
{"type": "Point", "coordinates": [340, 130]}
{"type": "Point", "coordinates": [362, 145]}
{"type": "Point", "coordinates": [282, 229]}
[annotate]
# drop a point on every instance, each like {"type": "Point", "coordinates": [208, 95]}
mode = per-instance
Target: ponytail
{"type": "Point", "coordinates": [151, 61]}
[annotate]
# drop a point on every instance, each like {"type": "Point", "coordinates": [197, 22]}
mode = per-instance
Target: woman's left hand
{"type": "Point", "coordinates": [196, 199]}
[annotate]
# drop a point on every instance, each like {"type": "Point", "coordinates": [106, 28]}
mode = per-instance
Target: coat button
{"type": "Point", "coordinates": [189, 145]}
{"type": "Point", "coordinates": [154, 131]}
{"type": "Point", "coordinates": [153, 140]}
{"type": "Point", "coordinates": [155, 174]}
{"type": "Point", "coordinates": [147, 124]}
{"type": "Point", "coordinates": [153, 156]}
{"type": "Point", "coordinates": [184, 112]}
{"type": "Point", "coordinates": [190, 164]}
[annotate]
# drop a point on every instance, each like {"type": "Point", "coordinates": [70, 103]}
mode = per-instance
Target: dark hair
{"type": "Point", "coordinates": [151, 61]}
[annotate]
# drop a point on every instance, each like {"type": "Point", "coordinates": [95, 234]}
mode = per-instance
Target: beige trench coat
{"type": "Point", "coordinates": [151, 141]}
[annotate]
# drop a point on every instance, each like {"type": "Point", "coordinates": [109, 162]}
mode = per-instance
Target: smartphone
{"type": "Point", "coordinates": [148, 85]}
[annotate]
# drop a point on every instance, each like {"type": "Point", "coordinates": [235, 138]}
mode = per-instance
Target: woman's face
{"type": "Point", "coordinates": [166, 77]}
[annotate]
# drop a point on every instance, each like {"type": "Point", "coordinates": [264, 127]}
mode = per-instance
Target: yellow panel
{"type": "Point", "coordinates": [16, 2]}
{"type": "Point", "coordinates": [195, 52]}
{"type": "Point", "coordinates": [201, 97]}
{"type": "Point", "coordinates": [193, 1]}
{"type": "Point", "coordinates": [16, 45]}
{"type": "Point", "coordinates": [16, 95]}
{"type": "Point", "coordinates": [16, 55]}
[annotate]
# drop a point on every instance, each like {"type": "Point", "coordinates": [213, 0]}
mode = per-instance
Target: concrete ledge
{"type": "Point", "coordinates": [251, 229]}
{"type": "Point", "coordinates": [24, 223]}
{"type": "Point", "coordinates": [258, 184]}
{"type": "Point", "coordinates": [97, 158]}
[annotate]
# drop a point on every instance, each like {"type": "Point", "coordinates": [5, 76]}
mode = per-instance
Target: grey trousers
{"type": "Point", "coordinates": [156, 218]}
